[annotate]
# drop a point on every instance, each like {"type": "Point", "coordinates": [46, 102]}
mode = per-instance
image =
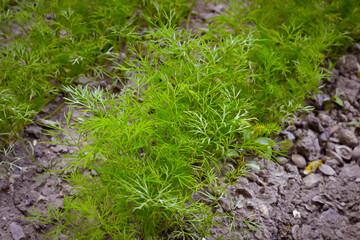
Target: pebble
{"type": "Point", "coordinates": [295, 232]}
{"type": "Point", "coordinates": [330, 216]}
{"type": "Point", "coordinates": [298, 160]}
{"type": "Point", "coordinates": [344, 152]}
{"type": "Point", "coordinates": [327, 170]}
{"type": "Point", "coordinates": [339, 234]}
{"type": "Point", "coordinates": [296, 214]}
{"type": "Point", "coordinates": [59, 149]}
{"type": "Point", "coordinates": [312, 180]}
{"type": "Point", "coordinates": [282, 160]}
{"type": "Point", "coordinates": [34, 130]}
{"type": "Point", "coordinates": [350, 171]}
{"type": "Point", "coordinates": [335, 156]}
{"type": "Point", "coordinates": [41, 199]}
{"type": "Point", "coordinates": [309, 146]}
{"type": "Point", "coordinates": [29, 202]}
{"type": "Point", "coordinates": [355, 154]}
{"type": "Point", "coordinates": [324, 136]}
{"type": "Point", "coordinates": [348, 138]}
{"type": "Point", "coordinates": [264, 211]}
{"type": "Point", "coordinates": [251, 176]}
{"type": "Point", "coordinates": [244, 192]}
{"type": "Point", "coordinates": [17, 231]}
{"type": "Point", "coordinates": [325, 119]}
{"type": "Point", "coordinates": [225, 204]}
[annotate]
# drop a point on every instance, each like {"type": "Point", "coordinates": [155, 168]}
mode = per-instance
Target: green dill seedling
{"type": "Point", "coordinates": [194, 103]}
{"type": "Point", "coordinates": [48, 44]}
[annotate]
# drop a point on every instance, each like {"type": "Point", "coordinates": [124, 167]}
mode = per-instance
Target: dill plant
{"type": "Point", "coordinates": [195, 102]}
{"type": "Point", "coordinates": [151, 156]}
{"type": "Point", "coordinates": [48, 44]}
{"type": "Point", "coordinates": [292, 40]}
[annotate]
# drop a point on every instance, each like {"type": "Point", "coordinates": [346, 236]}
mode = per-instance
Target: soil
{"type": "Point", "coordinates": [285, 202]}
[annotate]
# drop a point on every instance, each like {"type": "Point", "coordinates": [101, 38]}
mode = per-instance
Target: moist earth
{"type": "Point", "coordinates": [286, 203]}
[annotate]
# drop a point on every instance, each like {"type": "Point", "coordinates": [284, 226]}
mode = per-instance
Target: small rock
{"type": "Point", "coordinates": [348, 138]}
{"type": "Point", "coordinates": [264, 211]}
{"type": "Point", "coordinates": [355, 154]}
{"type": "Point", "coordinates": [315, 123]}
{"type": "Point", "coordinates": [324, 136]}
{"type": "Point", "coordinates": [325, 119]}
{"type": "Point", "coordinates": [342, 117]}
{"type": "Point", "coordinates": [308, 232]}
{"type": "Point", "coordinates": [334, 129]}
{"type": "Point", "coordinates": [295, 232]}
{"type": "Point", "coordinates": [288, 135]}
{"type": "Point", "coordinates": [82, 79]}
{"type": "Point", "coordinates": [41, 199]}
{"type": "Point", "coordinates": [29, 202]}
{"type": "Point", "coordinates": [298, 160]}
{"type": "Point", "coordinates": [282, 160]}
{"type": "Point", "coordinates": [296, 214]}
{"type": "Point", "coordinates": [350, 171]}
{"type": "Point", "coordinates": [339, 234]}
{"type": "Point", "coordinates": [312, 180]}
{"type": "Point", "coordinates": [60, 149]}
{"type": "Point", "coordinates": [327, 170]}
{"type": "Point", "coordinates": [4, 184]}
{"type": "Point", "coordinates": [320, 98]}
{"type": "Point", "coordinates": [34, 130]}
{"type": "Point", "coordinates": [330, 216]}
{"type": "Point", "coordinates": [347, 65]}
{"type": "Point", "coordinates": [335, 156]}
{"type": "Point", "coordinates": [344, 152]}
{"type": "Point", "coordinates": [225, 204]}
{"type": "Point", "coordinates": [290, 168]}
{"type": "Point", "coordinates": [17, 231]}
{"type": "Point", "coordinates": [309, 146]}
{"type": "Point", "coordinates": [244, 192]}
{"type": "Point", "coordinates": [251, 176]}
{"type": "Point", "coordinates": [39, 170]}
{"type": "Point", "coordinates": [349, 87]}
{"type": "Point", "coordinates": [322, 199]}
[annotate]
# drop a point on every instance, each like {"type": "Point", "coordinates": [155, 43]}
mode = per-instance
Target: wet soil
{"type": "Point", "coordinates": [285, 202]}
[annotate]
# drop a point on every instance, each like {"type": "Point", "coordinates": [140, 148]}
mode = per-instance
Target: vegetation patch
{"type": "Point", "coordinates": [195, 102]}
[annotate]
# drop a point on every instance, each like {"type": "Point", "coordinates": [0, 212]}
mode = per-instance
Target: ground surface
{"type": "Point", "coordinates": [286, 203]}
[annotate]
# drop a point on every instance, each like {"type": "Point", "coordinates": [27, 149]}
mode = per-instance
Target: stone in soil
{"type": "Point", "coordinates": [356, 153]}
{"type": "Point", "coordinates": [34, 131]}
{"type": "Point", "coordinates": [298, 160]}
{"type": "Point", "coordinates": [344, 152]}
{"type": "Point", "coordinates": [309, 146]}
{"type": "Point", "coordinates": [349, 87]}
{"type": "Point", "coordinates": [348, 65]}
{"type": "Point", "coordinates": [348, 138]}
{"type": "Point", "coordinates": [17, 231]}
{"type": "Point", "coordinates": [327, 170]}
{"type": "Point", "coordinates": [350, 171]}
{"type": "Point", "coordinates": [312, 180]}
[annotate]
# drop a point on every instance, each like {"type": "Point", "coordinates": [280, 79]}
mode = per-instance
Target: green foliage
{"type": "Point", "coordinates": [291, 40]}
{"type": "Point", "coordinates": [194, 102]}
{"type": "Point", "coordinates": [48, 44]}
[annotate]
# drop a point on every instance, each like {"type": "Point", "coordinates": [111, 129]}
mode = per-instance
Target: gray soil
{"type": "Point", "coordinates": [285, 202]}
